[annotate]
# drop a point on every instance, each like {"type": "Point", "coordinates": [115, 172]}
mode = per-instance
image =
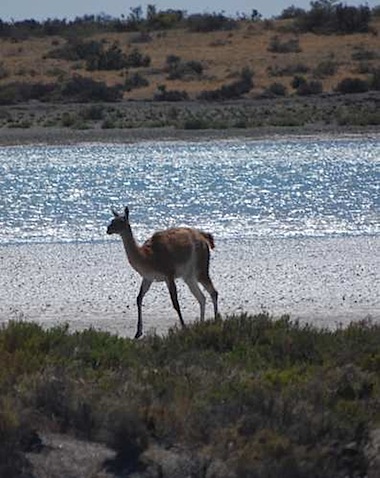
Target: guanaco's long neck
{"type": "Point", "coordinates": [131, 247]}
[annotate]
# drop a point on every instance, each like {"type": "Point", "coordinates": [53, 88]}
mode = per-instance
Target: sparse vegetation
{"type": "Point", "coordinates": [288, 46]}
{"type": "Point", "coordinates": [232, 90]}
{"type": "Point", "coordinates": [304, 87]}
{"type": "Point", "coordinates": [258, 396]}
{"type": "Point", "coordinates": [163, 94]}
{"type": "Point", "coordinates": [96, 59]}
{"type": "Point", "coordinates": [182, 70]}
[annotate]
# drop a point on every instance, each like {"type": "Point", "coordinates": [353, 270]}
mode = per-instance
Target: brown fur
{"type": "Point", "coordinates": [176, 252]}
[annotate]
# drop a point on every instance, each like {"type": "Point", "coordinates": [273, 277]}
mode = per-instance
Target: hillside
{"type": "Point", "coordinates": [237, 59]}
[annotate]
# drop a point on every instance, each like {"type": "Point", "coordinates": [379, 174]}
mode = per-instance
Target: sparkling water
{"type": "Point", "coordinates": [232, 188]}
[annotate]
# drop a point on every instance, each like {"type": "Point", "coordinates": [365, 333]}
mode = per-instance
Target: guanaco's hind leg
{"type": "Point", "coordinates": [209, 286]}
{"type": "Point", "coordinates": [198, 294]}
{"type": "Point", "coordinates": [204, 277]}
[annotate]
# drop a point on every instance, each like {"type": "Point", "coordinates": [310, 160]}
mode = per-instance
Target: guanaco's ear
{"type": "Point", "coordinates": [126, 213]}
{"type": "Point", "coordinates": [115, 213]}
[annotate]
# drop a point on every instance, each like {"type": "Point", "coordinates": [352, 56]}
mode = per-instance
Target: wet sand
{"type": "Point", "coordinates": [324, 281]}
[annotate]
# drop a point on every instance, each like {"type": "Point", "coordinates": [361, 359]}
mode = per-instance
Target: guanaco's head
{"type": "Point", "coordinates": [119, 222]}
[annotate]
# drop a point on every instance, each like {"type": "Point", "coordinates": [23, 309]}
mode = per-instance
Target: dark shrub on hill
{"type": "Point", "coordinates": [352, 85]}
{"type": "Point", "coordinates": [134, 81]}
{"type": "Point", "coordinates": [136, 59]}
{"type": "Point", "coordinates": [97, 57]}
{"type": "Point", "coordinates": [325, 68]}
{"type": "Point", "coordinates": [170, 95]}
{"type": "Point", "coordinates": [111, 59]}
{"type": "Point", "coordinates": [306, 88]}
{"type": "Point", "coordinates": [233, 90]}
{"type": "Point", "coordinates": [163, 19]}
{"type": "Point", "coordinates": [375, 80]}
{"type": "Point", "coordinates": [207, 22]}
{"type": "Point", "coordinates": [12, 93]}
{"type": "Point", "coordinates": [327, 17]}
{"type": "Point", "coordinates": [291, 12]}
{"type": "Point", "coordinates": [178, 69]}
{"type": "Point", "coordinates": [81, 89]}
{"type": "Point", "coordinates": [276, 89]}
{"type": "Point", "coordinates": [75, 50]}
{"type": "Point", "coordinates": [288, 46]}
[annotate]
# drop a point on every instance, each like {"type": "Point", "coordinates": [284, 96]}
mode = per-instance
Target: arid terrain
{"type": "Point", "coordinates": [252, 75]}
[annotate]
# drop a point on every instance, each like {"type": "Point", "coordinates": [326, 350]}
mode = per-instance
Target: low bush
{"type": "Point", "coordinates": [135, 80]}
{"type": "Point", "coordinates": [136, 59]}
{"type": "Point", "coordinates": [97, 57]}
{"type": "Point", "coordinates": [304, 87]}
{"type": "Point", "coordinates": [178, 69]}
{"type": "Point", "coordinates": [207, 22]}
{"type": "Point", "coordinates": [276, 89]}
{"type": "Point", "coordinates": [287, 46]}
{"type": "Point", "coordinates": [81, 89]}
{"type": "Point", "coordinates": [325, 68]}
{"type": "Point", "coordinates": [352, 85]}
{"type": "Point", "coordinates": [374, 81]}
{"type": "Point", "coordinates": [329, 17]}
{"type": "Point", "coordinates": [3, 71]}
{"type": "Point", "coordinates": [363, 54]}
{"type": "Point", "coordinates": [233, 90]}
{"type": "Point", "coordinates": [288, 70]}
{"type": "Point", "coordinates": [170, 95]}
{"type": "Point", "coordinates": [264, 397]}
{"type": "Point", "coordinates": [12, 93]}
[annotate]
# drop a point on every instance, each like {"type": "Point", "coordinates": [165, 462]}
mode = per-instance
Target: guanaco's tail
{"type": "Point", "coordinates": [209, 238]}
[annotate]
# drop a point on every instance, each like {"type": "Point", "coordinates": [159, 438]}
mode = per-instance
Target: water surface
{"type": "Point", "coordinates": [234, 188]}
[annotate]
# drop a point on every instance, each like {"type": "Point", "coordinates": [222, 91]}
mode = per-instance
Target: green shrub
{"type": "Point", "coordinates": [265, 398]}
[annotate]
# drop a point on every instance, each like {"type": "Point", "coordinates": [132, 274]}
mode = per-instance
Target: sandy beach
{"type": "Point", "coordinates": [327, 282]}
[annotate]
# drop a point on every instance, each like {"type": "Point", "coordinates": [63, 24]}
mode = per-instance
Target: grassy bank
{"type": "Point", "coordinates": [244, 396]}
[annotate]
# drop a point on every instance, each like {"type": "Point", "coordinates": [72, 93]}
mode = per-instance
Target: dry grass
{"type": "Point", "coordinates": [221, 53]}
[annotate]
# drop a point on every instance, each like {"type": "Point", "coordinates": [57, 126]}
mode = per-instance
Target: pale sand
{"type": "Point", "coordinates": [326, 282]}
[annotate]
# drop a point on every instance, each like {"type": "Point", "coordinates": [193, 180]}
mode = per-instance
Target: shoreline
{"type": "Point", "coordinates": [64, 136]}
{"type": "Point", "coordinates": [134, 121]}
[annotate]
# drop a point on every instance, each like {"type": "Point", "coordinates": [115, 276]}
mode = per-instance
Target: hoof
{"type": "Point", "coordinates": [138, 334]}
